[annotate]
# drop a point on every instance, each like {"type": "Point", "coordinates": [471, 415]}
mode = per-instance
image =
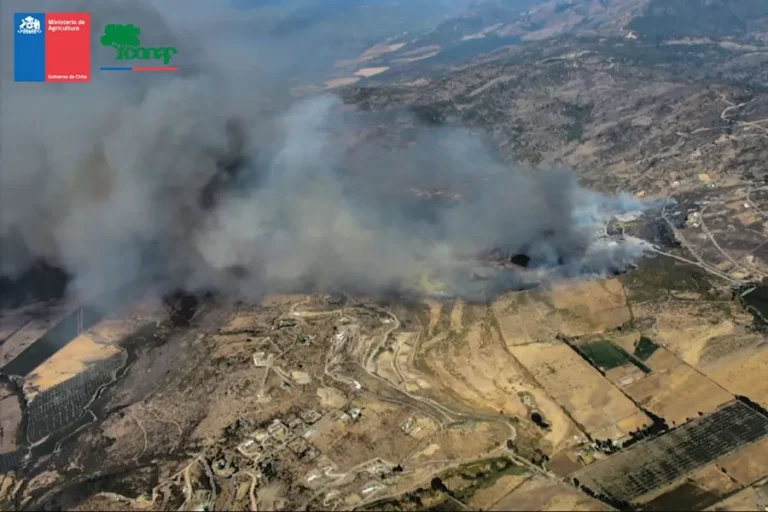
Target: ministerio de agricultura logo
{"type": "Point", "coordinates": [30, 25]}
{"type": "Point", "coordinates": [125, 39]}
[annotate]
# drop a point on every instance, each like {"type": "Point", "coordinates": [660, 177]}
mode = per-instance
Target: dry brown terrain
{"type": "Point", "coordinates": [486, 499]}
{"type": "Point", "coordinates": [473, 366]}
{"type": "Point", "coordinates": [29, 332]}
{"type": "Point", "coordinates": [540, 493]}
{"type": "Point", "coordinates": [10, 421]}
{"type": "Point", "coordinates": [426, 387]}
{"type": "Point", "coordinates": [739, 372]}
{"type": "Point", "coordinates": [746, 500]}
{"type": "Point", "coordinates": [747, 465]}
{"type": "Point", "coordinates": [411, 403]}
{"type": "Point", "coordinates": [676, 393]}
{"type": "Point", "coordinates": [588, 397]}
{"type": "Point", "coordinates": [368, 72]}
{"type": "Point", "coordinates": [71, 360]}
{"type": "Point", "coordinates": [572, 309]}
{"type": "Point", "coordinates": [709, 479]}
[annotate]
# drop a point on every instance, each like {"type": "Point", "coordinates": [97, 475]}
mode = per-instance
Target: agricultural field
{"type": "Point", "coordinates": [650, 465]}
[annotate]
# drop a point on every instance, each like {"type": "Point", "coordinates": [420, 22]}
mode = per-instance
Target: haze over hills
{"type": "Point", "coordinates": [491, 25]}
{"type": "Point", "coordinates": [379, 255]}
{"type": "Point", "coordinates": [302, 38]}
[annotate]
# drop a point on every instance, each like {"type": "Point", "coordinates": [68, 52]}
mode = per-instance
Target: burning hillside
{"type": "Point", "coordinates": [178, 182]}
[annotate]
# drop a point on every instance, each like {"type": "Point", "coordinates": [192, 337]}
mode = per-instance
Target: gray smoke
{"type": "Point", "coordinates": [198, 181]}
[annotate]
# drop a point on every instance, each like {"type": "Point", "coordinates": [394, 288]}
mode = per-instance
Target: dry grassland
{"type": "Point", "coordinates": [373, 52]}
{"type": "Point", "coordinates": [232, 345]}
{"type": "Point", "coordinates": [662, 360]}
{"type": "Point", "coordinates": [29, 334]}
{"type": "Point", "coordinates": [541, 493]}
{"type": "Point", "coordinates": [712, 479]}
{"type": "Point", "coordinates": [486, 498]}
{"type": "Point", "coordinates": [380, 49]}
{"type": "Point", "coordinates": [698, 332]}
{"type": "Point", "coordinates": [10, 420]}
{"type": "Point", "coordinates": [253, 318]}
{"type": "Point", "coordinates": [327, 431]}
{"type": "Point", "coordinates": [331, 398]}
{"type": "Point", "coordinates": [241, 322]}
{"type": "Point", "coordinates": [624, 375]}
{"type": "Point", "coordinates": [719, 346]}
{"type": "Point", "coordinates": [375, 434]}
{"type": "Point", "coordinates": [745, 500]}
{"type": "Point", "coordinates": [99, 342]}
{"type": "Point", "coordinates": [435, 309]}
{"type": "Point", "coordinates": [677, 392]}
{"type": "Point", "coordinates": [573, 309]}
{"type": "Point", "coordinates": [13, 320]}
{"type": "Point", "coordinates": [589, 398]}
{"type": "Point", "coordinates": [743, 372]}
{"type": "Point", "coordinates": [747, 464]}
{"type": "Point", "coordinates": [708, 478]}
{"type": "Point", "coordinates": [414, 59]}
{"type": "Point", "coordinates": [403, 357]}
{"type": "Point", "coordinates": [457, 315]}
{"type": "Point", "coordinates": [385, 367]}
{"type": "Point", "coordinates": [469, 440]}
{"type": "Point", "coordinates": [369, 72]}
{"type": "Point", "coordinates": [340, 82]}
{"type": "Point", "coordinates": [474, 369]}
{"type": "Point", "coordinates": [565, 463]}
{"type": "Point", "coordinates": [121, 324]}
{"type": "Point", "coordinates": [71, 360]}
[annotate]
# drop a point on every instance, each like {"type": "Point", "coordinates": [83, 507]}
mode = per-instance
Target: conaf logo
{"type": "Point", "coordinates": [125, 39]}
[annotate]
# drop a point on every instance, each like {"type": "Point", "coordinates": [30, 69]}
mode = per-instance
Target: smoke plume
{"type": "Point", "coordinates": [200, 180]}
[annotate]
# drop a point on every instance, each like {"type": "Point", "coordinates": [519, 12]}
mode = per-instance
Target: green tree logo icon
{"type": "Point", "coordinates": [125, 39]}
{"type": "Point", "coordinates": [121, 36]}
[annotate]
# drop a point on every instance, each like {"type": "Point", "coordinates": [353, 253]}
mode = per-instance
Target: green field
{"type": "Point", "coordinates": [606, 355]}
{"type": "Point", "coordinates": [645, 348]}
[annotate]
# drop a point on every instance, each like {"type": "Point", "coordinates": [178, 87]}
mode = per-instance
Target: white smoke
{"type": "Point", "coordinates": [188, 181]}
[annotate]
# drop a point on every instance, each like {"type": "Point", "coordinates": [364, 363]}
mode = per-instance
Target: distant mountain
{"type": "Point", "coordinates": [664, 19]}
{"type": "Point", "coordinates": [490, 25]}
{"type": "Point", "coordinates": [303, 38]}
